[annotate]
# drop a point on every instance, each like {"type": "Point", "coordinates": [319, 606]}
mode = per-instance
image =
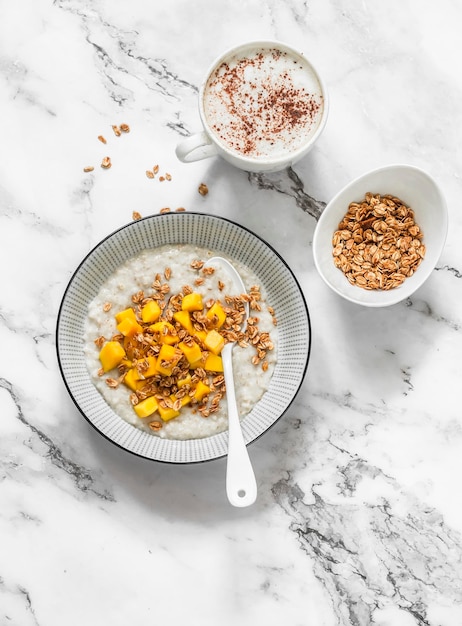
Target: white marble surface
{"type": "Point", "coordinates": [359, 515]}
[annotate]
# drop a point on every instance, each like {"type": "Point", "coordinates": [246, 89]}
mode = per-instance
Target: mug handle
{"type": "Point", "coordinates": [195, 148]}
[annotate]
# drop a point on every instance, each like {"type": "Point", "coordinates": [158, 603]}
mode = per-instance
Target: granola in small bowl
{"type": "Point", "coordinates": [380, 237]}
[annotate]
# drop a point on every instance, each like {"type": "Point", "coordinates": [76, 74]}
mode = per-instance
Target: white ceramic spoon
{"type": "Point", "coordinates": [241, 486]}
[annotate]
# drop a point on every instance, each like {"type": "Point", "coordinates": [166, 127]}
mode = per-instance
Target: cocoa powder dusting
{"type": "Point", "coordinates": [273, 110]}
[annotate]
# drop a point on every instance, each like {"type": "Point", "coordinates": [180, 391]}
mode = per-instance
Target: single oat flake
{"type": "Point", "coordinates": [378, 244]}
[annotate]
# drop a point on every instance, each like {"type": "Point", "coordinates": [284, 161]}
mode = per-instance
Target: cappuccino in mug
{"type": "Point", "coordinates": [263, 103]}
{"type": "Point", "coordinates": [262, 106]}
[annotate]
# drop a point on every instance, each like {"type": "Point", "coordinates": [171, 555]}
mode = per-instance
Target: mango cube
{"type": "Point", "coordinates": [111, 355]}
{"type": "Point", "coordinates": [184, 381]}
{"type": "Point", "coordinates": [130, 313]}
{"type": "Point", "coordinates": [196, 364]}
{"type": "Point", "coordinates": [151, 370]}
{"type": "Point", "coordinates": [191, 351]}
{"type": "Point", "coordinates": [183, 318]}
{"type": "Point", "coordinates": [201, 390]}
{"type": "Point", "coordinates": [131, 346]}
{"type": "Point", "coordinates": [192, 302]}
{"type": "Point", "coordinates": [214, 342]}
{"type": "Point", "coordinates": [184, 400]}
{"type": "Point", "coordinates": [129, 327]}
{"type": "Point", "coordinates": [217, 315]}
{"type": "Point", "coordinates": [132, 380]}
{"type": "Point", "coordinates": [213, 363]}
{"type": "Point", "coordinates": [167, 332]}
{"type": "Point", "coordinates": [168, 413]}
{"type": "Point", "coordinates": [150, 312]}
{"type": "Point", "coordinates": [167, 359]}
{"type": "Point", "coordinates": [146, 407]}
{"type": "Point", "coordinates": [200, 335]}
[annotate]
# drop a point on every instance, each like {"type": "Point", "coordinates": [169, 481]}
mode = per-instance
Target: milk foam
{"type": "Point", "coordinates": [263, 103]}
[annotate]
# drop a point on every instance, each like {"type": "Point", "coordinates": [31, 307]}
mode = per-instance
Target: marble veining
{"type": "Point", "coordinates": [358, 521]}
{"type": "Point", "coordinates": [409, 558]}
{"type": "Point", "coordinates": [289, 183]}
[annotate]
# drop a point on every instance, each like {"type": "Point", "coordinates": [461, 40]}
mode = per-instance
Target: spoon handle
{"type": "Point", "coordinates": [241, 486]}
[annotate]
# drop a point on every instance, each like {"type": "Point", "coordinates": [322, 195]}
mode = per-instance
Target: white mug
{"type": "Point", "coordinates": [262, 105]}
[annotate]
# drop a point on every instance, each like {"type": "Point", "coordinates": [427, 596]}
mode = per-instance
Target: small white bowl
{"type": "Point", "coordinates": [418, 191]}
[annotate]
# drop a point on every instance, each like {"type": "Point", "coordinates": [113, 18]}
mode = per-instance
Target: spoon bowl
{"type": "Point", "coordinates": [241, 486]}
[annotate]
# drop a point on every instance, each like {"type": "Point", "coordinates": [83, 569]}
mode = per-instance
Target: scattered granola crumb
{"type": "Point", "coordinates": [125, 128]}
{"type": "Point", "coordinates": [99, 342]}
{"type": "Point", "coordinates": [165, 210]}
{"type": "Point", "coordinates": [168, 176]}
{"type": "Point", "coordinates": [180, 209]}
{"type": "Point", "coordinates": [155, 169]}
{"type": "Point", "coordinates": [106, 163]}
{"type": "Point", "coordinates": [116, 130]}
{"type": "Point", "coordinates": [136, 215]}
{"type": "Point", "coordinates": [89, 168]}
{"type": "Point", "coordinates": [149, 174]}
{"type": "Point", "coordinates": [197, 264]}
{"type": "Point", "coordinates": [107, 307]}
{"type": "Point", "coordinates": [208, 271]}
{"type": "Point", "coordinates": [161, 179]}
{"type": "Point", "coordinates": [102, 139]}
{"type": "Point", "coordinates": [203, 189]}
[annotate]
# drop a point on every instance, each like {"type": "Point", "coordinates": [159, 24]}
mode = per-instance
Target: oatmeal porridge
{"type": "Point", "coordinates": [154, 334]}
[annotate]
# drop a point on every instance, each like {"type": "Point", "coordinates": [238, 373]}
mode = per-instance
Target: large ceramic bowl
{"type": "Point", "coordinates": [217, 234]}
{"type": "Point", "coordinates": [415, 188]}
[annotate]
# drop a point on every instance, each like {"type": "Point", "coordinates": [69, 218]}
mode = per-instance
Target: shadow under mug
{"type": "Point", "coordinates": [206, 143]}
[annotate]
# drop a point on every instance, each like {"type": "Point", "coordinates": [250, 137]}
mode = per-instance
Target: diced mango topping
{"type": "Point", "coordinates": [129, 327]}
{"type": "Point", "coordinates": [132, 379]}
{"type": "Point", "coordinates": [192, 302]}
{"type": "Point", "coordinates": [185, 400]}
{"type": "Point", "coordinates": [216, 315]}
{"type": "Point", "coordinates": [130, 313]}
{"type": "Point", "coordinates": [184, 318]}
{"type": "Point", "coordinates": [167, 332]}
{"type": "Point", "coordinates": [168, 413]}
{"type": "Point", "coordinates": [200, 335]}
{"type": "Point", "coordinates": [167, 349]}
{"type": "Point", "coordinates": [150, 312]}
{"type": "Point", "coordinates": [201, 390]}
{"type": "Point", "coordinates": [111, 354]}
{"type": "Point", "coordinates": [214, 342]}
{"type": "Point", "coordinates": [182, 382]}
{"type": "Point", "coordinates": [148, 366]}
{"type": "Point", "coordinates": [213, 363]}
{"type": "Point", "coordinates": [147, 407]}
{"type": "Point", "coordinates": [191, 350]}
{"type": "Point", "coordinates": [167, 359]}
